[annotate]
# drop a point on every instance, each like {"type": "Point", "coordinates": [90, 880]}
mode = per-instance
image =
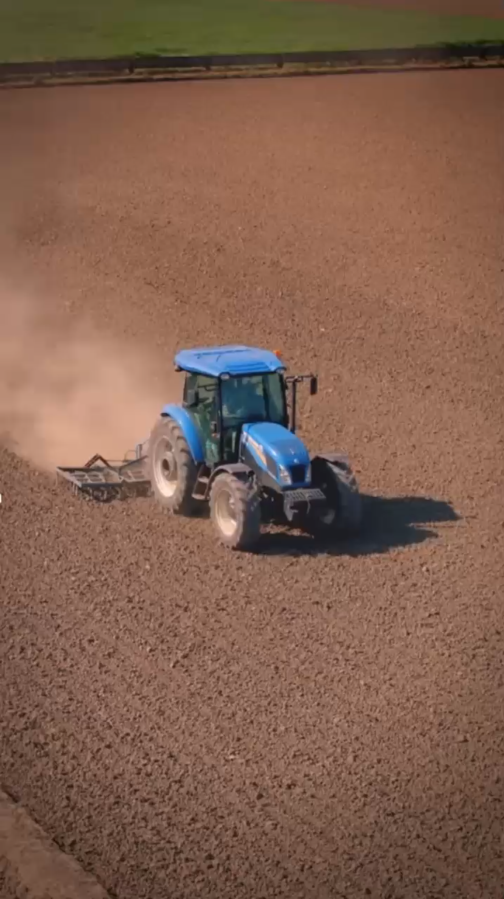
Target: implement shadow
{"type": "Point", "coordinates": [389, 523]}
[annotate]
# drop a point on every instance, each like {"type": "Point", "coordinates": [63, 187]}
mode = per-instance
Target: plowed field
{"type": "Point", "coordinates": [306, 721]}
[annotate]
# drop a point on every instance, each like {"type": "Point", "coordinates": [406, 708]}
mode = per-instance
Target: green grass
{"type": "Point", "coordinates": [50, 29]}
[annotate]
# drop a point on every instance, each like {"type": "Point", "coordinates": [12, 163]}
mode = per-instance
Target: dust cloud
{"type": "Point", "coordinates": [66, 391]}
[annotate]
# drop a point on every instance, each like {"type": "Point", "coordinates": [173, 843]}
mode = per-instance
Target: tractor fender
{"type": "Point", "coordinates": [334, 458]}
{"type": "Point", "coordinates": [189, 429]}
{"type": "Point", "coordinates": [237, 469]}
{"type": "Point", "coordinates": [349, 500]}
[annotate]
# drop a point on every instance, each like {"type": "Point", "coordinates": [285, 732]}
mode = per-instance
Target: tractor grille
{"type": "Point", "coordinates": [298, 474]}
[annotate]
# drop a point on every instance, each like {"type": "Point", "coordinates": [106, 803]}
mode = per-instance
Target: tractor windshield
{"type": "Point", "coordinates": [253, 398]}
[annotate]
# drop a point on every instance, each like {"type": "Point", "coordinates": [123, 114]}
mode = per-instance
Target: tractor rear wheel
{"type": "Point", "coordinates": [171, 468]}
{"type": "Point", "coordinates": [235, 510]}
{"type": "Point", "coordinates": [343, 513]}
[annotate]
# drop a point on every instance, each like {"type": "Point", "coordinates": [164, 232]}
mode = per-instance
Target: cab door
{"type": "Point", "coordinates": [201, 398]}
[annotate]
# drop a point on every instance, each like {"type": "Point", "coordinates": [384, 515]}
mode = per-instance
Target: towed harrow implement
{"type": "Point", "coordinates": [104, 480]}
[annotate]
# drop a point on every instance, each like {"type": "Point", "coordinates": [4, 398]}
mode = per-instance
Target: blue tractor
{"type": "Point", "coordinates": [232, 443]}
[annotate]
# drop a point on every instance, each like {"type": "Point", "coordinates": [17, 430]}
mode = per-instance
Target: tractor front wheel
{"type": "Point", "coordinates": [342, 516]}
{"type": "Point", "coordinates": [235, 510]}
{"type": "Point", "coordinates": [171, 469]}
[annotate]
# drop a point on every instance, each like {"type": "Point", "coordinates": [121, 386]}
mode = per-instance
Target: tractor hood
{"type": "Point", "coordinates": [272, 443]}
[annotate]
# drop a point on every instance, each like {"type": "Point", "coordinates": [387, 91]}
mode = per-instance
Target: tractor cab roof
{"type": "Point", "coordinates": [231, 360]}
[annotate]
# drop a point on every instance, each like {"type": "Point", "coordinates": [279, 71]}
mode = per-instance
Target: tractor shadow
{"type": "Point", "coordinates": [389, 523]}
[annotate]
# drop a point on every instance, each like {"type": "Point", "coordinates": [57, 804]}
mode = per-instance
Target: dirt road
{"type": "Point", "coordinates": [190, 723]}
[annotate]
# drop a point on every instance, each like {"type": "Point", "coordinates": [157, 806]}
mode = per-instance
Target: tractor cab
{"type": "Point", "coordinates": [221, 406]}
{"type": "Point", "coordinates": [228, 387]}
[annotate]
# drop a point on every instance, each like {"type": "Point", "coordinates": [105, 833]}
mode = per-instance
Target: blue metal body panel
{"type": "Point", "coordinates": [232, 360]}
{"type": "Point", "coordinates": [267, 439]}
{"type": "Point", "coordinates": [189, 429]}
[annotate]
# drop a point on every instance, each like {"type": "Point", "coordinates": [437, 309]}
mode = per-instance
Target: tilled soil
{"type": "Point", "coordinates": [305, 721]}
{"type": "Point", "coordinates": [32, 866]}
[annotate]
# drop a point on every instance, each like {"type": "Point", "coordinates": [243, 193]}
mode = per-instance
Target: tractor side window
{"type": "Point", "coordinates": [276, 399]}
{"type": "Point", "coordinates": [199, 389]}
{"type": "Point", "coordinates": [189, 388]}
{"type": "Point", "coordinates": [201, 392]}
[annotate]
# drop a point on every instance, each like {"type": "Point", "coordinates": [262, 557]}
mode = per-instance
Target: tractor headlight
{"type": "Point", "coordinates": [284, 475]}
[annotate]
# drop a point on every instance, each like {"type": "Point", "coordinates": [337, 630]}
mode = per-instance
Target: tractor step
{"type": "Point", "coordinates": [104, 480]}
{"type": "Point", "coordinates": [201, 486]}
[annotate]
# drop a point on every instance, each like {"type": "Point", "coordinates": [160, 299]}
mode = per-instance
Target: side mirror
{"type": "Point", "coordinates": [192, 398]}
{"type": "Point", "coordinates": [313, 385]}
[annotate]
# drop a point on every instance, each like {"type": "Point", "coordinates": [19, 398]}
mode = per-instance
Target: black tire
{"type": "Point", "coordinates": [170, 467]}
{"type": "Point", "coordinates": [343, 517]}
{"type": "Point", "coordinates": [235, 509]}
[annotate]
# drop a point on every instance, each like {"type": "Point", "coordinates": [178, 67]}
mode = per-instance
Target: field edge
{"type": "Point", "coordinates": [152, 68]}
